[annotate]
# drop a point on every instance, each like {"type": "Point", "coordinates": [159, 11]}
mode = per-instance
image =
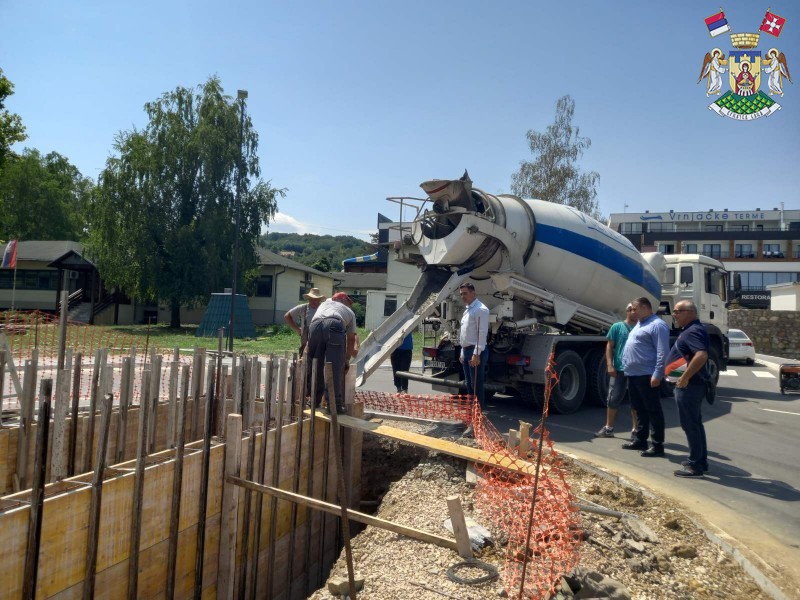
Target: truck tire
{"type": "Point", "coordinates": [533, 395]}
{"type": "Point", "coordinates": [714, 362]}
{"type": "Point", "coordinates": [567, 396]}
{"type": "Point", "coordinates": [598, 377]}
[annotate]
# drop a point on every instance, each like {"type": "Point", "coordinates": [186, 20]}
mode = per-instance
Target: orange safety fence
{"type": "Point", "coordinates": [533, 510]}
{"type": "Point", "coordinates": [26, 335]}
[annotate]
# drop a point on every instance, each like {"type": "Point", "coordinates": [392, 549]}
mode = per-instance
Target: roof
{"type": "Point", "coordinates": [46, 251]}
{"type": "Point", "coordinates": [361, 281]}
{"type": "Point", "coordinates": [266, 257]}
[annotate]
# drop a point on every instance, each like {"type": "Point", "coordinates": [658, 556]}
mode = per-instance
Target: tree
{"type": "Point", "coordinates": [553, 174]}
{"type": "Point", "coordinates": [164, 219]}
{"type": "Point", "coordinates": [322, 264]}
{"type": "Point", "coordinates": [11, 128]}
{"type": "Point", "coordinates": [43, 198]}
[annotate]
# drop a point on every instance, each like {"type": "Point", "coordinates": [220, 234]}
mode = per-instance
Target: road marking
{"type": "Point", "coordinates": [728, 373]}
{"type": "Point", "coordinates": [785, 412]}
{"type": "Point", "coordinates": [763, 374]}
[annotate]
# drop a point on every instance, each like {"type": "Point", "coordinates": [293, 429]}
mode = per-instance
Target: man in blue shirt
{"type": "Point", "coordinates": [644, 358]}
{"type": "Point", "coordinates": [692, 345]}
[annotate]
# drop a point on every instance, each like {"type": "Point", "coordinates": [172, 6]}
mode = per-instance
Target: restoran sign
{"type": "Point", "coordinates": [711, 215]}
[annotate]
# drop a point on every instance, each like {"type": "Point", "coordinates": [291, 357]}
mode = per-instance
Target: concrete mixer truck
{"type": "Point", "coordinates": [554, 280]}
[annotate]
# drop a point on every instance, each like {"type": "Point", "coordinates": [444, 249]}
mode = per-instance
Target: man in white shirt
{"type": "Point", "coordinates": [299, 317]}
{"type": "Point", "coordinates": [473, 335]}
{"type": "Point", "coordinates": [332, 338]}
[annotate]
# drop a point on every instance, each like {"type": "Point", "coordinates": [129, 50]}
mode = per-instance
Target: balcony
{"type": "Point", "coordinates": [778, 254]}
{"type": "Point", "coordinates": [717, 254]}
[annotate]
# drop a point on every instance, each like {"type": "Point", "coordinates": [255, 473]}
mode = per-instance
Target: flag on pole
{"type": "Point", "coordinates": [717, 24]}
{"type": "Point", "coordinates": [772, 24]}
{"type": "Point", "coordinates": [10, 255]}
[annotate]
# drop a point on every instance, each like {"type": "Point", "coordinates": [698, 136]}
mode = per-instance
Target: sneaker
{"type": "Point", "coordinates": [688, 472]}
{"type": "Point", "coordinates": [634, 446]}
{"type": "Point", "coordinates": [687, 463]}
{"type": "Point", "coordinates": [605, 432]}
{"type": "Point", "coordinates": [653, 451]}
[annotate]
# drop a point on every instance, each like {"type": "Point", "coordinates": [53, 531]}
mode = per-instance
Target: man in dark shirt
{"type": "Point", "coordinates": [690, 389]}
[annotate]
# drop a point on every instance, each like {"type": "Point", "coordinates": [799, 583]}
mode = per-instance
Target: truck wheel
{"type": "Point", "coordinates": [532, 394]}
{"type": "Point", "coordinates": [598, 377]}
{"type": "Point", "coordinates": [714, 362]}
{"type": "Point", "coordinates": [568, 394]}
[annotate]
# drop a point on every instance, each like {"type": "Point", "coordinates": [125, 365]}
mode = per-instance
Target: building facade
{"type": "Point", "coordinates": [759, 248]}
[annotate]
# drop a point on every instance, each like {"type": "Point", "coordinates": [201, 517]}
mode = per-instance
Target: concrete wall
{"type": "Point", "coordinates": [775, 333]}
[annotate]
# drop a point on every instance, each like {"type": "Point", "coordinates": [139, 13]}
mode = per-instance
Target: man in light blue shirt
{"type": "Point", "coordinates": [473, 335]}
{"type": "Point", "coordinates": [644, 358]}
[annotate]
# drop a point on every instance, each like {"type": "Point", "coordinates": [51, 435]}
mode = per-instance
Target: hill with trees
{"type": "Point", "coordinates": [322, 252]}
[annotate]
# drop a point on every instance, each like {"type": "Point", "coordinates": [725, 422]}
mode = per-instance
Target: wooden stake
{"type": "Point", "coordinates": [124, 402]}
{"type": "Point", "coordinates": [174, 371]}
{"type": "Point", "coordinates": [93, 391]}
{"type": "Point", "coordinates": [203, 500]}
{"type": "Point", "coordinates": [251, 457]}
{"type": "Point", "coordinates": [76, 397]}
{"type": "Point", "coordinates": [219, 412]}
{"type": "Point", "coordinates": [343, 499]}
{"type": "Point", "coordinates": [97, 497]}
{"type": "Point", "coordinates": [299, 397]}
{"type": "Point", "coordinates": [30, 577]}
{"type": "Point", "coordinates": [326, 463]}
{"type": "Point", "coordinates": [459, 527]}
{"type": "Point", "coordinates": [230, 508]}
{"type": "Point", "coordinates": [177, 485]}
{"type": "Point", "coordinates": [138, 493]}
{"type": "Point", "coordinates": [276, 473]}
{"type": "Point", "coordinates": [196, 387]}
{"type": "Point", "coordinates": [155, 391]}
{"type": "Point", "coordinates": [310, 483]}
{"type": "Point", "coordinates": [524, 439]}
{"type": "Point", "coordinates": [26, 423]}
{"type": "Point", "coordinates": [59, 454]}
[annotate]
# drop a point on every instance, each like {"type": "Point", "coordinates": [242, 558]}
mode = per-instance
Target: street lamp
{"type": "Point", "coordinates": [241, 96]}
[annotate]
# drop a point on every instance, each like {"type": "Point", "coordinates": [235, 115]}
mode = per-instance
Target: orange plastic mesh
{"type": "Point", "coordinates": [540, 549]}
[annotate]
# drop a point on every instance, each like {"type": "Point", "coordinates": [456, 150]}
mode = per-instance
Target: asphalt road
{"type": "Point", "coordinates": [751, 493]}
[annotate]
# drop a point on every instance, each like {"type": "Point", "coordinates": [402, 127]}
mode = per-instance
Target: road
{"type": "Point", "coordinates": [751, 493]}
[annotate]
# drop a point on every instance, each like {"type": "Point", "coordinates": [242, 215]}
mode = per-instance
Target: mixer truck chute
{"type": "Point", "coordinates": [554, 280]}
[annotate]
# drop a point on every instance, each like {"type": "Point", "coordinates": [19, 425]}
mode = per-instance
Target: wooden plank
{"type": "Point", "coordinates": [524, 439]}
{"type": "Point", "coordinates": [177, 485]}
{"type": "Point", "coordinates": [97, 498]}
{"type": "Point", "coordinates": [155, 391]}
{"type": "Point", "coordinates": [299, 397]}
{"type": "Point", "coordinates": [12, 368]}
{"type": "Point", "coordinates": [174, 371]}
{"type": "Point", "coordinates": [203, 492]}
{"type": "Point", "coordinates": [437, 445]}
{"type": "Point", "coordinates": [87, 447]}
{"type": "Point", "coordinates": [196, 387]}
{"type": "Point", "coordinates": [59, 454]}
{"type": "Point", "coordinates": [76, 398]}
{"type": "Point", "coordinates": [353, 515]}
{"type": "Point", "coordinates": [124, 403]}
{"type": "Point", "coordinates": [26, 423]}
{"type": "Point", "coordinates": [459, 527]}
{"type": "Point", "coordinates": [138, 494]}
{"type": "Point", "coordinates": [276, 469]}
{"type": "Point", "coordinates": [30, 577]}
{"type": "Point", "coordinates": [251, 456]}
{"type": "Point", "coordinates": [230, 509]}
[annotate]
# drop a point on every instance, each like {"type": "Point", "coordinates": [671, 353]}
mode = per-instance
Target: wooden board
{"type": "Point", "coordinates": [435, 444]}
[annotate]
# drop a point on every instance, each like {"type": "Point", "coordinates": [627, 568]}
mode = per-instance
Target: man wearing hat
{"type": "Point", "coordinates": [332, 338]}
{"type": "Point", "coordinates": [302, 314]}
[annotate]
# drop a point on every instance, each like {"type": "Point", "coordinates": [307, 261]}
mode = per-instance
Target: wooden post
{"type": "Point", "coordinates": [203, 499]}
{"type": "Point", "coordinates": [219, 407]}
{"type": "Point", "coordinates": [230, 508]}
{"type": "Point", "coordinates": [124, 402]}
{"type": "Point", "coordinates": [93, 391]}
{"type": "Point", "coordinates": [524, 439]}
{"type": "Point", "coordinates": [174, 370]}
{"type": "Point", "coordinates": [459, 527]}
{"type": "Point", "coordinates": [76, 397]}
{"type": "Point", "coordinates": [37, 493]}
{"type": "Point", "coordinates": [62, 329]}
{"type": "Point", "coordinates": [138, 493]}
{"type": "Point", "coordinates": [26, 423]}
{"type": "Point", "coordinates": [196, 387]}
{"type": "Point", "coordinates": [251, 456]}
{"type": "Point", "coordinates": [97, 497]}
{"type": "Point", "coordinates": [155, 390]}
{"type": "Point", "coordinates": [276, 473]}
{"type": "Point", "coordinates": [299, 397]}
{"type": "Point", "coordinates": [513, 440]}
{"type": "Point", "coordinates": [59, 454]}
{"type": "Point", "coordinates": [310, 483]}
{"type": "Point", "coordinates": [177, 484]}
{"type": "Point", "coordinates": [343, 499]}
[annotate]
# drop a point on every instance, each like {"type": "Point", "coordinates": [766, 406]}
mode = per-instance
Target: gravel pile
{"type": "Point", "coordinates": [658, 554]}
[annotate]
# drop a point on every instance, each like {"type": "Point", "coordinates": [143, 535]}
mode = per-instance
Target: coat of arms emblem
{"type": "Point", "coordinates": [745, 66]}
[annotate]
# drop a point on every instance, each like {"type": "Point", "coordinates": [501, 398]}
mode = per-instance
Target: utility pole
{"type": "Point", "coordinates": [241, 96]}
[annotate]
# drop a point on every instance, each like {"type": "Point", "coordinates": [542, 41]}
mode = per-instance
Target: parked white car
{"type": "Point", "coordinates": [741, 347]}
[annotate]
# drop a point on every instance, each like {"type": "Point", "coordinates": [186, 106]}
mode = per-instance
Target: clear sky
{"type": "Point", "coordinates": [357, 101]}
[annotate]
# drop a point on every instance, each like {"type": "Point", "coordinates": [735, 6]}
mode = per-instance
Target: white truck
{"type": "Point", "coordinates": [554, 280]}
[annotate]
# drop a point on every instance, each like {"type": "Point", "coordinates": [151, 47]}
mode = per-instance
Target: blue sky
{"type": "Point", "coordinates": [357, 101]}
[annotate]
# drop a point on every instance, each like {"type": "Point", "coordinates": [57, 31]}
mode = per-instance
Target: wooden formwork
{"type": "Point", "coordinates": [62, 554]}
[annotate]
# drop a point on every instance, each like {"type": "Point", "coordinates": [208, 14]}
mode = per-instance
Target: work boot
{"type": "Point", "coordinates": [653, 451]}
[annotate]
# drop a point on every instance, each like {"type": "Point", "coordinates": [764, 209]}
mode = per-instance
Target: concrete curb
{"type": "Point", "coordinates": [762, 581]}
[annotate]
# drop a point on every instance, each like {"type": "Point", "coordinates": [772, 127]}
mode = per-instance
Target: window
{"type": "Point", "coordinates": [690, 248]}
{"type": "Point", "coordinates": [666, 248]}
{"type": "Point", "coordinates": [630, 228]}
{"type": "Point", "coordinates": [772, 247]}
{"type": "Point", "coordinates": [669, 276]}
{"type": "Point", "coordinates": [712, 250]}
{"type": "Point", "coordinates": [661, 227]}
{"type": "Point", "coordinates": [686, 275]}
{"type": "Point", "coordinates": [715, 282]}
{"type": "Point", "coordinates": [712, 228]}
{"type": "Point", "coordinates": [739, 228]}
{"type": "Point", "coordinates": [264, 286]}
{"type": "Point", "coordinates": [744, 251]}
{"type": "Point", "coordinates": [42, 279]}
{"type": "Point", "coordinates": [389, 305]}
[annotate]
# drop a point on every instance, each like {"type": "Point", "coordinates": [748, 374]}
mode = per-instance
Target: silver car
{"type": "Point", "coordinates": [741, 347]}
